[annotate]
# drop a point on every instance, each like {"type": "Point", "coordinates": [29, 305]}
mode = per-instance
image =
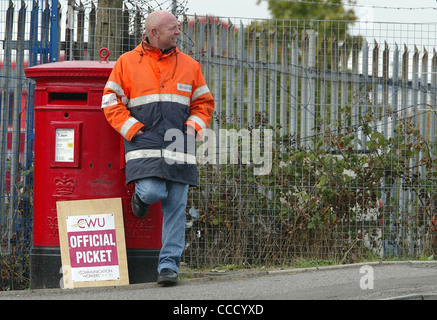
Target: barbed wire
{"type": "Point", "coordinates": [357, 5]}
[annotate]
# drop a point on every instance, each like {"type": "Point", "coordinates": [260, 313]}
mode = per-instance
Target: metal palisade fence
{"type": "Point", "coordinates": [322, 144]}
{"type": "Point", "coordinates": [19, 32]}
{"type": "Point", "coordinates": [352, 164]}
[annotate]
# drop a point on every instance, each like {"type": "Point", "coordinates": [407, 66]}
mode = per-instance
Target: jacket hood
{"type": "Point", "coordinates": [144, 48]}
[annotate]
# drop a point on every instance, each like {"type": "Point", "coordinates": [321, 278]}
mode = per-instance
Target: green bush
{"type": "Point", "coordinates": [337, 197]}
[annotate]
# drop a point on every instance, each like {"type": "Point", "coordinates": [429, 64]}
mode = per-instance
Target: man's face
{"type": "Point", "coordinates": [168, 32]}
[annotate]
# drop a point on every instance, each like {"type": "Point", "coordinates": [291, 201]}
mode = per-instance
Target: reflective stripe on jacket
{"type": "Point", "coordinates": [159, 93]}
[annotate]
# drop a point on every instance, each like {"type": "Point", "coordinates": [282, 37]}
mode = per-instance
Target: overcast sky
{"type": "Point", "coordinates": [366, 10]}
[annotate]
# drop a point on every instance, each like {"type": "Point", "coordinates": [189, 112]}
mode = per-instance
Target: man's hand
{"type": "Point", "coordinates": [139, 132]}
{"type": "Point", "coordinates": [191, 131]}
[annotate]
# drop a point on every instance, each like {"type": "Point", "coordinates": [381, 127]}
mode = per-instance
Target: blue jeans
{"type": "Point", "coordinates": [173, 197]}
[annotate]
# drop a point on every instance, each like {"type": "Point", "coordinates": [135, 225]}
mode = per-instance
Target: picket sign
{"type": "Point", "coordinates": [92, 241]}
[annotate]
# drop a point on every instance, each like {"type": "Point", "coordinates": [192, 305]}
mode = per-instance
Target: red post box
{"type": "Point", "coordinates": [78, 155]}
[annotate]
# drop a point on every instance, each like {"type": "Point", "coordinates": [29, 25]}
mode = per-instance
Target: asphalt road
{"type": "Point", "coordinates": [371, 281]}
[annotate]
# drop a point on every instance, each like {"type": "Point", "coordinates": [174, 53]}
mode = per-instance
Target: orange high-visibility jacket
{"type": "Point", "coordinates": [160, 94]}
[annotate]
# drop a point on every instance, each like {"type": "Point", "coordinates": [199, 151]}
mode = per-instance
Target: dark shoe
{"type": "Point", "coordinates": [167, 277]}
{"type": "Point", "coordinates": [139, 208]}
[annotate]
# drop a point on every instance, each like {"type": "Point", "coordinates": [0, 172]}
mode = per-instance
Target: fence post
{"type": "Point", "coordinates": [5, 99]}
{"type": "Point", "coordinates": [92, 32]}
{"type": "Point", "coordinates": [405, 70]}
{"type": "Point", "coordinates": [304, 90]}
{"type": "Point", "coordinates": [251, 79]}
{"type": "Point", "coordinates": [391, 245]}
{"type": "Point", "coordinates": [218, 92]}
{"type": "Point", "coordinates": [311, 125]}
{"type": "Point", "coordinates": [423, 108]}
{"type": "Point", "coordinates": [240, 57]}
{"type": "Point", "coordinates": [273, 80]}
{"type": "Point", "coordinates": [262, 75]}
{"type": "Point", "coordinates": [415, 100]}
{"type": "Point", "coordinates": [45, 36]}
{"type": "Point", "coordinates": [294, 93]}
{"type": "Point", "coordinates": [344, 94]}
{"type": "Point", "coordinates": [385, 79]}
{"type": "Point", "coordinates": [80, 32]}
{"type": "Point", "coordinates": [355, 91]}
{"type": "Point", "coordinates": [334, 87]}
{"type": "Point", "coordinates": [364, 90]}
{"type": "Point", "coordinates": [433, 101]}
{"type": "Point", "coordinates": [375, 69]}
{"type": "Point", "coordinates": [324, 86]}
{"type": "Point", "coordinates": [283, 84]}
{"type": "Point", "coordinates": [230, 65]}
{"type": "Point", "coordinates": [395, 90]}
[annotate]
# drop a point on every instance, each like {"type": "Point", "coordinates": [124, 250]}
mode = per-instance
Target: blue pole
{"type": "Point", "coordinates": [53, 49]}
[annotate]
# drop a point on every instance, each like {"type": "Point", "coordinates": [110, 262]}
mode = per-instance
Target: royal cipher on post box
{"type": "Point", "coordinates": [78, 156]}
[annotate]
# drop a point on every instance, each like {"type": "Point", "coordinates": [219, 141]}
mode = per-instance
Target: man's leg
{"type": "Point", "coordinates": [151, 190]}
{"type": "Point", "coordinates": [173, 226]}
{"type": "Point", "coordinates": [173, 197]}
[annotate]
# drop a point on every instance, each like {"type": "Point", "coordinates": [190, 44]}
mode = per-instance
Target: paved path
{"type": "Point", "coordinates": [371, 281]}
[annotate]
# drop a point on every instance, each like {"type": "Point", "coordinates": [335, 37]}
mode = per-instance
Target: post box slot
{"type": "Point", "coordinates": [68, 98]}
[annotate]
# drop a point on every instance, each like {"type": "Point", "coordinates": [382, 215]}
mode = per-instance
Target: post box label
{"type": "Point", "coordinates": [92, 247]}
{"type": "Point", "coordinates": [64, 145]}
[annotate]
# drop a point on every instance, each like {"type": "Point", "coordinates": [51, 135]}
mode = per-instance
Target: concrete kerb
{"type": "Point", "coordinates": [343, 266]}
{"type": "Point", "coordinates": [430, 296]}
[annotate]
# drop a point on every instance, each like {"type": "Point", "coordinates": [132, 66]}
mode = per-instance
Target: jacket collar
{"type": "Point", "coordinates": [145, 48]}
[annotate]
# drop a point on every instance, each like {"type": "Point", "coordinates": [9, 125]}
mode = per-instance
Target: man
{"type": "Point", "coordinates": [157, 99]}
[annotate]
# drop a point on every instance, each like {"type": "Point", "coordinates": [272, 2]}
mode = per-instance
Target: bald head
{"type": "Point", "coordinates": [162, 29]}
{"type": "Point", "coordinates": [157, 19]}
